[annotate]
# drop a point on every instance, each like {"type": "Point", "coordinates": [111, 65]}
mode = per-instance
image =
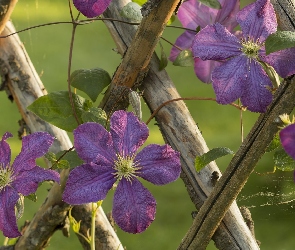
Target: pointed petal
{"type": "Point", "coordinates": [94, 144]}
{"type": "Point", "coordinates": [215, 42]}
{"type": "Point", "coordinates": [91, 8]}
{"type": "Point", "coordinates": [33, 147]}
{"type": "Point", "coordinates": [287, 136]}
{"type": "Point", "coordinates": [258, 20]}
{"type": "Point", "coordinates": [227, 15]}
{"type": "Point", "coordinates": [26, 182]}
{"type": "Point", "coordinates": [160, 164]}
{"type": "Point", "coordinates": [229, 79]}
{"type": "Point", "coordinates": [283, 61]}
{"type": "Point", "coordinates": [184, 41]}
{"type": "Point", "coordinates": [128, 132]}
{"type": "Point", "coordinates": [134, 206]}
{"type": "Point", "coordinates": [256, 95]}
{"type": "Point", "coordinates": [192, 14]}
{"type": "Point", "coordinates": [8, 199]}
{"type": "Point", "coordinates": [5, 152]}
{"type": "Point", "coordinates": [204, 69]}
{"type": "Point", "coordinates": [88, 183]}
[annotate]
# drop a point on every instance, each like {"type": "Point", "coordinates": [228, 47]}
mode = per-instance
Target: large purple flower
{"type": "Point", "coordinates": [111, 157]}
{"type": "Point", "coordinates": [91, 8]}
{"type": "Point", "coordinates": [192, 14]}
{"type": "Point", "coordinates": [242, 75]}
{"type": "Point", "coordinates": [287, 136]}
{"type": "Point", "coordinates": [22, 177]}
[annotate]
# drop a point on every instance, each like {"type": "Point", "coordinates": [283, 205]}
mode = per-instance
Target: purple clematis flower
{"type": "Point", "coordinates": [111, 158]}
{"type": "Point", "coordinates": [287, 136]}
{"type": "Point", "coordinates": [242, 75]}
{"type": "Point", "coordinates": [22, 177]}
{"type": "Point", "coordinates": [193, 14]}
{"type": "Point", "coordinates": [91, 8]}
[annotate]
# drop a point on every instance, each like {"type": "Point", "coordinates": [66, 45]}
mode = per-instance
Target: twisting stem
{"type": "Point", "coordinates": [75, 23]}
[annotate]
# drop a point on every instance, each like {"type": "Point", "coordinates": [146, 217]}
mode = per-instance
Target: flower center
{"type": "Point", "coordinates": [126, 167]}
{"type": "Point", "coordinates": [5, 176]}
{"type": "Point", "coordinates": [251, 48]}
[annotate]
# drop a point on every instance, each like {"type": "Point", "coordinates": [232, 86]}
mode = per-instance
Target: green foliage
{"type": "Point", "coordinates": [132, 11]}
{"type": "Point", "coordinates": [275, 143]}
{"type": "Point", "coordinates": [90, 81]}
{"type": "Point", "coordinates": [71, 157]}
{"type": "Point", "coordinates": [171, 20]}
{"type": "Point", "coordinates": [212, 155]}
{"type": "Point", "coordinates": [279, 41]}
{"type": "Point", "coordinates": [56, 109]}
{"type": "Point", "coordinates": [139, 2]}
{"type": "Point", "coordinates": [57, 164]}
{"type": "Point", "coordinates": [184, 59]}
{"type": "Point", "coordinates": [211, 3]}
{"type": "Point", "coordinates": [32, 197]}
{"type": "Point", "coordinates": [283, 161]}
{"type": "Point", "coordinates": [94, 114]}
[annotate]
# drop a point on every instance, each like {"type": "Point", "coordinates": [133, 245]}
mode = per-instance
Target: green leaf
{"type": "Point", "coordinates": [283, 161]}
{"type": "Point", "coordinates": [95, 115]}
{"type": "Point", "coordinates": [71, 157]}
{"type": "Point", "coordinates": [50, 157]}
{"type": "Point", "coordinates": [212, 155]}
{"type": "Point", "coordinates": [90, 81]}
{"type": "Point", "coordinates": [214, 4]}
{"type": "Point", "coordinates": [56, 109]}
{"type": "Point", "coordinates": [279, 41]}
{"type": "Point", "coordinates": [275, 143]}
{"type": "Point", "coordinates": [132, 11]}
{"type": "Point", "coordinates": [184, 59]}
{"type": "Point", "coordinates": [32, 197]}
{"type": "Point", "coordinates": [171, 20]}
{"type": "Point", "coordinates": [139, 2]}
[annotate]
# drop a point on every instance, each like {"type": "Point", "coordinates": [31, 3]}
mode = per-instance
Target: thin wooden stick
{"type": "Point", "coordinates": [25, 86]}
{"type": "Point", "coordinates": [180, 131]}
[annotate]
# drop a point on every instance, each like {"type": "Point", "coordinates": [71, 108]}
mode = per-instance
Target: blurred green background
{"type": "Point", "coordinates": [269, 197]}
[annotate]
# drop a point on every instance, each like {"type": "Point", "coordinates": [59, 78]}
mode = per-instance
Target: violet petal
{"type": "Point", "coordinates": [258, 20]}
{"type": "Point", "coordinates": [287, 136]}
{"type": "Point", "coordinates": [8, 199]}
{"type": "Point", "coordinates": [5, 152]}
{"type": "Point", "coordinates": [256, 94]}
{"type": "Point", "coordinates": [159, 164]}
{"type": "Point", "coordinates": [192, 14]}
{"type": "Point", "coordinates": [88, 183]}
{"type": "Point", "coordinates": [215, 42]}
{"type": "Point", "coordinates": [204, 69]}
{"type": "Point", "coordinates": [229, 79]}
{"type": "Point", "coordinates": [134, 206]}
{"type": "Point", "coordinates": [33, 147]}
{"type": "Point", "coordinates": [227, 15]}
{"type": "Point", "coordinates": [128, 132]}
{"type": "Point", "coordinates": [283, 61]}
{"type": "Point", "coordinates": [94, 144]}
{"type": "Point", "coordinates": [91, 8]}
{"type": "Point", "coordinates": [26, 182]}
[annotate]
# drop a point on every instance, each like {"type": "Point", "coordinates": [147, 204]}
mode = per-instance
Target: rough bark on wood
{"type": "Point", "coordinates": [25, 86]}
{"type": "Point", "coordinates": [180, 131]}
{"type": "Point", "coordinates": [246, 158]}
